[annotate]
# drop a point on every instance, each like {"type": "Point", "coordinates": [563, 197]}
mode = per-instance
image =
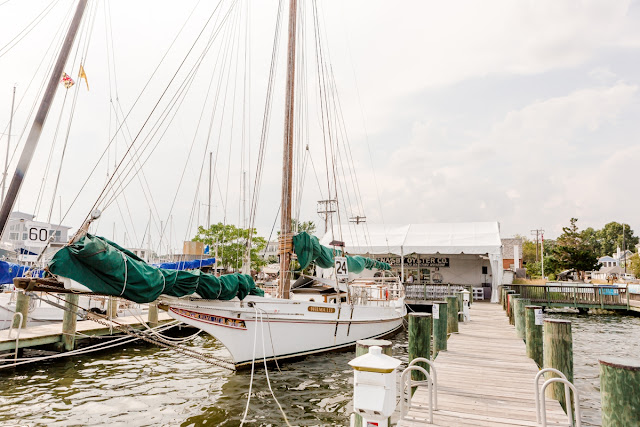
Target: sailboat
{"type": "Point", "coordinates": [231, 308]}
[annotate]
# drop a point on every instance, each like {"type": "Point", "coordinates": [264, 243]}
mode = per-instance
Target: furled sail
{"type": "Point", "coordinates": [107, 268]}
{"type": "Point", "coordinates": [308, 249]}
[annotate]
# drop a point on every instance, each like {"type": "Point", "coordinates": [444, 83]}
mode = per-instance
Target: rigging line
{"type": "Point", "coordinates": [38, 18]}
{"type": "Point", "coordinates": [316, 175]}
{"type": "Point", "coordinates": [60, 39]}
{"type": "Point", "coordinates": [182, 90]}
{"type": "Point", "coordinates": [266, 117]}
{"type": "Point", "coordinates": [88, 31]}
{"type": "Point", "coordinates": [145, 87]}
{"type": "Point", "coordinates": [195, 200]}
{"type": "Point", "coordinates": [4, 2]}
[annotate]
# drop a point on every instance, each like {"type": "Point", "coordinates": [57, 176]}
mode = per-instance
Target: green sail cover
{"type": "Point", "coordinates": [308, 249]}
{"type": "Point", "coordinates": [107, 268]}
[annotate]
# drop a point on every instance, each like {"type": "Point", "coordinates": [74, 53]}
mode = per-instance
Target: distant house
{"type": "Point", "coordinates": [511, 250]}
{"type": "Point", "coordinates": [28, 237]}
{"type": "Point", "coordinates": [270, 250]}
{"type": "Point", "coordinates": [607, 261]}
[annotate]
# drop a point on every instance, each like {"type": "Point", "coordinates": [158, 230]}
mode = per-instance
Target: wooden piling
{"type": "Point", "coordinates": [452, 314]}
{"type": "Point", "coordinates": [362, 347]}
{"type": "Point", "coordinates": [511, 306]}
{"type": "Point", "coordinates": [69, 321]}
{"type": "Point", "coordinates": [533, 333]}
{"type": "Point", "coordinates": [112, 307]}
{"type": "Point", "coordinates": [505, 301]}
{"type": "Point", "coordinates": [519, 319]}
{"type": "Point", "coordinates": [558, 354]}
{"type": "Point", "coordinates": [619, 391]}
{"type": "Point", "coordinates": [440, 314]}
{"type": "Point", "coordinates": [153, 315]}
{"type": "Point", "coordinates": [460, 305]}
{"type": "Point", "coordinates": [420, 328]}
{"type": "Point", "coordinates": [22, 306]}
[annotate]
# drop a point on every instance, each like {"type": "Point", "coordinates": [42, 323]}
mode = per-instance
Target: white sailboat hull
{"type": "Point", "coordinates": [288, 328]}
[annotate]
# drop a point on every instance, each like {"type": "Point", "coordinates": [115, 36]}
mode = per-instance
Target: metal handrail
{"type": "Point", "coordinates": [411, 384]}
{"type": "Point", "coordinates": [541, 416]}
{"type": "Point", "coordinates": [434, 376]}
{"type": "Point", "coordinates": [17, 313]}
{"type": "Point", "coordinates": [576, 402]}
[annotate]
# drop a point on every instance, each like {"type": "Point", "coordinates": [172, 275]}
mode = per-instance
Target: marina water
{"type": "Point", "coordinates": [143, 385]}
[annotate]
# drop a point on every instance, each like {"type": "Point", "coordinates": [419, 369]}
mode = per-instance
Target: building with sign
{"type": "Point", "coordinates": [27, 238]}
{"type": "Point", "coordinates": [447, 253]}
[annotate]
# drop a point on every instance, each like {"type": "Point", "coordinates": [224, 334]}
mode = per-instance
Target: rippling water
{"type": "Point", "coordinates": [594, 337]}
{"type": "Point", "coordinates": [141, 385]}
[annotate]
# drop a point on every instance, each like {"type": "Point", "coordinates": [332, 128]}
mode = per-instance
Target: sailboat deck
{"type": "Point", "coordinates": [35, 336]}
{"type": "Point", "coordinates": [485, 378]}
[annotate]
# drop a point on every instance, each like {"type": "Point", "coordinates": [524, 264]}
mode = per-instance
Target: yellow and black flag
{"type": "Point", "coordinates": [83, 75]}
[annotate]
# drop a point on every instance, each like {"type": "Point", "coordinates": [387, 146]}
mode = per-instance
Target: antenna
{"type": "Point", "coordinates": [358, 219]}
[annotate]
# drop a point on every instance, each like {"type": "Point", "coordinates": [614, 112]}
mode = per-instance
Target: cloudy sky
{"type": "Point", "coordinates": [521, 112]}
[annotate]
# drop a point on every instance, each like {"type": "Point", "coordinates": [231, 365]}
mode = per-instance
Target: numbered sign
{"type": "Point", "coordinates": [342, 272]}
{"type": "Point", "coordinates": [37, 235]}
{"type": "Point", "coordinates": [539, 316]}
{"type": "Point", "coordinates": [435, 311]}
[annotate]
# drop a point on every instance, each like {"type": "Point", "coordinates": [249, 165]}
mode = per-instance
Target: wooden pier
{"type": "Point", "coordinates": [42, 335]}
{"type": "Point", "coordinates": [484, 378]}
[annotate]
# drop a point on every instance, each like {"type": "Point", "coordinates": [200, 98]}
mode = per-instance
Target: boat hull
{"type": "Point", "coordinates": [262, 328]}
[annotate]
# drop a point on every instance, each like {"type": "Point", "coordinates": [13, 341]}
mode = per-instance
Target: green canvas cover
{"type": "Point", "coordinates": [308, 249]}
{"type": "Point", "coordinates": [107, 268]}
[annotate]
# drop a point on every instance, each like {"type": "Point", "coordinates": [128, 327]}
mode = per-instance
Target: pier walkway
{"type": "Point", "coordinates": [35, 336]}
{"type": "Point", "coordinates": [484, 378]}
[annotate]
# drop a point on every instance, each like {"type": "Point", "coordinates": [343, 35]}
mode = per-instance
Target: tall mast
{"type": "Point", "coordinates": [6, 159]}
{"type": "Point", "coordinates": [287, 157]}
{"type": "Point", "coordinates": [41, 116]}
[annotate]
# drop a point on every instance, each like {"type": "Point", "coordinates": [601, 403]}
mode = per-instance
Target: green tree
{"type": "Point", "coordinates": [300, 226]}
{"type": "Point", "coordinates": [231, 242]}
{"type": "Point", "coordinates": [611, 238]}
{"type": "Point", "coordinates": [572, 251]}
{"type": "Point", "coordinates": [528, 250]}
{"type": "Point", "coordinates": [591, 238]}
{"type": "Point", "coordinates": [634, 265]}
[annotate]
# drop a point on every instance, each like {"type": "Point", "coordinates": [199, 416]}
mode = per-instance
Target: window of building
{"type": "Point", "coordinates": [24, 236]}
{"type": "Point", "coordinates": [13, 236]}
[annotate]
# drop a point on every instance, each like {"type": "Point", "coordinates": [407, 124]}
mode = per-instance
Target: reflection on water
{"type": "Point", "coordinates": [141, 385]}
{"type": "Point", "coordinates": [594, 337]}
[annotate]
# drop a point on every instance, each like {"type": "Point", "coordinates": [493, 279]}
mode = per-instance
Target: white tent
{"type": "Point", "coordinates": [481, 238]}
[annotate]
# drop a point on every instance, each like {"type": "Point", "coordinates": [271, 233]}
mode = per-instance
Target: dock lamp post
{"type": "Point", "coordinates": [374, 387]}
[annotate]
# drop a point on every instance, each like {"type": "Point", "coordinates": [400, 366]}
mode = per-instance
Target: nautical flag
{"type": "Point", "coordinates": [207, 250]}
{"type": "Point", "coordinates": [67, 81]}
{"type": "Point", "coordinates": [83, 75]}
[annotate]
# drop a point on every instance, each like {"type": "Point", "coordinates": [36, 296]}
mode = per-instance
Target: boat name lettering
{"type": "Point", "coordinates": [210, 318]}
{"type": "Point", "coordinates": [321, 309]}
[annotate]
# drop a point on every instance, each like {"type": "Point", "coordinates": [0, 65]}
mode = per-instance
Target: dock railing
{"type": "Point", "coordinates": [433, 292]}
{"type": "Point", "coordinates": [575, 295]}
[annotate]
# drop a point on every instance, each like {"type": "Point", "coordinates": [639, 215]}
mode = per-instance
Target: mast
{"type": "Point", "coordinates": [41, 116]}
{"type": "Point", "coordinates": [287, 158]}
{"type": "Point", "coordinates": [6, 159]}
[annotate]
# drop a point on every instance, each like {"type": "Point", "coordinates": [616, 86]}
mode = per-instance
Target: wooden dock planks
{"type": "Point", "coordinates": [484, 378]}
{"type": "Point", "coordinates": [52, 333]}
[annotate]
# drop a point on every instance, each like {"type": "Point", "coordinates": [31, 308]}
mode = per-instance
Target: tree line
{"type": "Point", "coordinates": [580, 249]}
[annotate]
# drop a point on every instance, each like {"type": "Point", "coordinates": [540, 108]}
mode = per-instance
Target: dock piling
{"type": "Point", "coordinates": [558, 354]}
{"type": "Point", "coordinates": [22, 306]}
{"type": "Point", "coordinates": [153, 315]}
{"type": "Point", "coordinates": [619, 385]}
{"type": "Point", "coordinates": [440, 314]}
{"type": "Point", "coordinates": [69, 321]}
{"type": "Point", "coordinates": [452, 314]}
{"type": "Point", "coordinates": [533, 326]}
{"type": "Point", "coordinates": [505, 301]}
{"type": "Point", "coordinates": [519, 319]}
{"type": "Point", "coordinates": [420, 327]}
{"type": "Point", "coordinates": [511, 307]}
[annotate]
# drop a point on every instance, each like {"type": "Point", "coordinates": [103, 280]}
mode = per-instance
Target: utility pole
{"type": "Point", "coordinates": [537, 234]}
{"type": "Point", "coordinates": [624, 250]}
{"type": "Point", "coordinates": [325, 209]}
{"type": "Point", "coordinates": [358, 219]}
{"type": "Point", "coordinates": [6, 159]}
{"type": "Point", "coordinates": [542, 252]}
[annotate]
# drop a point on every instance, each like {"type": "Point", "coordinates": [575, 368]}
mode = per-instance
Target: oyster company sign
{"type": "Point", "coordinates": [428, 261]}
